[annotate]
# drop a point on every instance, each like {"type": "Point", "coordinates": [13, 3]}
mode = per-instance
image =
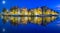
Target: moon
{"type": "Point", "coordinates": [3, 2]}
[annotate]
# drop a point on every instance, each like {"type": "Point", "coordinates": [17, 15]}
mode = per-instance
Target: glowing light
{"type": "Point", "coordinates": [3, 2]}
{"type": "Point", "coordinates": [3, 30]}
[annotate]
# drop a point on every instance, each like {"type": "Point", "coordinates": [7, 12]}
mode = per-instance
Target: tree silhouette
{"type": "Point", "coordinates": [4, 10]}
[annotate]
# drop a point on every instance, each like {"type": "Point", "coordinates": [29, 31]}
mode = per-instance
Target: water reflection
{"type": "Point", "coordinates": [25, 20]}
{"type": "Point", "coordinates": [42, 15]}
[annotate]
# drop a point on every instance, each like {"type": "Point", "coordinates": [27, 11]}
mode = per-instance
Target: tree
{"type": "Point", "coordinates": [4, 10]}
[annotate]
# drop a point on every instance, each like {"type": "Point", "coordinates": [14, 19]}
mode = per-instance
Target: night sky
{"type": "Point", "coordinates": [30, 28]}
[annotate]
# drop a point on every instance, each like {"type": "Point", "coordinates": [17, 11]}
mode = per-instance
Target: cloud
{"type": "Point", "coordinates": [58, 7]}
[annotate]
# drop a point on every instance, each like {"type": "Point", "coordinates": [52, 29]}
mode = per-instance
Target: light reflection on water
{"type": "Point", "coordinates": [25, 20]}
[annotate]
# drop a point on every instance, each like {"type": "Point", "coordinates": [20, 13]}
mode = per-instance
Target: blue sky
{"type": "Point", "coordinates": [29, 3]}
